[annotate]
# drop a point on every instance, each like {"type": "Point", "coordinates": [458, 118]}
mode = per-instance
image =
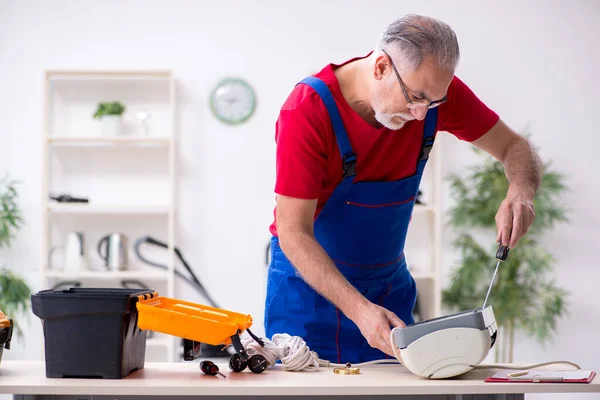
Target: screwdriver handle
{"type": "Point", "coordinates": [502, 253]}
{"type": "Point", "coordinates": [210, 368]}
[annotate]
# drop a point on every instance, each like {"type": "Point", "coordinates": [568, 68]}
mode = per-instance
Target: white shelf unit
{"type": "Point", "coordinates": [423, 243]}
{"type": "Point", "coordinates": [128, 179]}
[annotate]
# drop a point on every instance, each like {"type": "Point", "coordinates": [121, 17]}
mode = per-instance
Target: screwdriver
{"type": "Point", "coordinates": [210, 368]}
{"type": "Point", "coordinates": [501, 255]}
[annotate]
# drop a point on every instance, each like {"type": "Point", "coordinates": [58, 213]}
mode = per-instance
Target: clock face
{"type": "Point", "coordinates": [233, 101]}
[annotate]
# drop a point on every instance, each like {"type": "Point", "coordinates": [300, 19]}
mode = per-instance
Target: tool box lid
{"type": "Point", "coordinates": [87, 292]}
{"type": "Point", "coordinates": [60, 303]}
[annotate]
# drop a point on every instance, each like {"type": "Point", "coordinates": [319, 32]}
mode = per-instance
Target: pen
{"type": "Point", "coordinates": [538, 379]}
{"type": "Point", "coordinates": [520, 373]}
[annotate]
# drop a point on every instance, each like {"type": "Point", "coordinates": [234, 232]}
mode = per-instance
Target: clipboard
{"type": "Point", "coordinates": [542, 376]}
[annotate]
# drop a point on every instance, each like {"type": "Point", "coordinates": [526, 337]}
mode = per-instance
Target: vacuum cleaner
{"type": "Point", "coordinates": [191, 349]}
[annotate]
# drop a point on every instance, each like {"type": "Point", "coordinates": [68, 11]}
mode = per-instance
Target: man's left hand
{"type": "Point", "coordinates": [514, 217]}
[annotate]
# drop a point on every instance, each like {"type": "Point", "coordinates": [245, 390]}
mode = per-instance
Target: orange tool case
{"type": "Point", "coordinates": [201, 323]}
{"type": "Point", "coordinates": [6, 329]}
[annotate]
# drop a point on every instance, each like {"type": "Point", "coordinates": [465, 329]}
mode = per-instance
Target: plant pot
{"type": "Point", "coordinates": [112, 125]}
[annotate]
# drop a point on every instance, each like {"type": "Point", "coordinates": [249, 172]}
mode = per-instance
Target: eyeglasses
{"type": "Point", "coordinates": [416, 103]}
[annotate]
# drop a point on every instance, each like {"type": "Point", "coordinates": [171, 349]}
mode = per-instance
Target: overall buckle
{"type": "Point", "coordinates": [426, 149]}
{"type": "Point", "coordinates": [349, 165]}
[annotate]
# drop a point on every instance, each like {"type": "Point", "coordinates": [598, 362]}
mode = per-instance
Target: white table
{"type": "Point", "coordinates": [26, 380]}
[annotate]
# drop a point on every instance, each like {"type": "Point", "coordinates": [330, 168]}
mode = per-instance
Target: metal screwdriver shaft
{"type": "Point", "coordinates": [501, 255]}
{"type": "Point", "coordinates": [491, 284]}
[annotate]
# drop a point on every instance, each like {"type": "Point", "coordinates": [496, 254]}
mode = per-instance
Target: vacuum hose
{"type": "Point", "coordinates": [194, 282]}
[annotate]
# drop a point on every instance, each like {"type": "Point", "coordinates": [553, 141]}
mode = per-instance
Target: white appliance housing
{"type": "Point", "coordinates": [447, 346]}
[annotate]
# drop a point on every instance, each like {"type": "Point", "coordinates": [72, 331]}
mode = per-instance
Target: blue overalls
{"type": "Point", "coordinates": [363, 228]}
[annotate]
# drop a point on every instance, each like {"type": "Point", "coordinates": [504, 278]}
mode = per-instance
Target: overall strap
{"type": "Point", "coordinates": [348, 156]}
{"type": "Point", "coordinates": [428, 138]}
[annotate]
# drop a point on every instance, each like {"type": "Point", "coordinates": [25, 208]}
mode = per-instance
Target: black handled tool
{"type": "Point", "coordinates": [210, 368]}
{"type": "Point", "coordinates": [67, 198]}
{"type": "Point", "coordinates": [501, 256]}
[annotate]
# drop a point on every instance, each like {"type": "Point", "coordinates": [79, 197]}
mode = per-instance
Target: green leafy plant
{"type": "Point", "coordinates": [524, 297]}
{"type": "Point", "coordinates": [14, 297]}
{"type": "Point", "coordinates": [14, 292]}
{"type": "Point", "coordinates": [10, 215]}
{"type": "Point", "coordinates": [109, 108]}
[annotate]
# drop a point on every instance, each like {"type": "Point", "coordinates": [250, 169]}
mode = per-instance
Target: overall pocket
{"type": "Point", "coordinates": [381, 205]}
{"type": "Point", "coordinates": [375, 232]}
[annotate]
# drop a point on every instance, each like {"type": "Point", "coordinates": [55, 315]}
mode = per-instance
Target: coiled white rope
{"type": "Point", "coordinates": [292, 351]}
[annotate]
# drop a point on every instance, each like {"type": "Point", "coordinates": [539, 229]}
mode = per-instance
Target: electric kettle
{"type": "Point", "coordinates": [113, 248]}
{"type": "Point", "coordinates": [74, 254]}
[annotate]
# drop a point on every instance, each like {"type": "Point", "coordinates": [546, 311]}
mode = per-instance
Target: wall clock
{"type": "Point", "coordinates": [233, 101]}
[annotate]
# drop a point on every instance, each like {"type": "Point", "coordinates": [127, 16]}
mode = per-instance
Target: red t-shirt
{"type": "Point", "coordinates": [308, 160]}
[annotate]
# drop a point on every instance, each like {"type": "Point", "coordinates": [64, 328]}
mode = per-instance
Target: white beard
{"type": "Point", "coordinates": [390, 122]}
{"type": "Point", "coordinates": [387, 119]}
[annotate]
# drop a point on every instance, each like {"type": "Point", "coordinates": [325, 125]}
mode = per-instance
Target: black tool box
{"type": "Point", "coordinates": [91, 332]}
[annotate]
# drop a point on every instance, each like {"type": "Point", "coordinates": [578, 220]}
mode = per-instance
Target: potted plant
{"type": "Point", "coordinates": [14, 292]}
{"type": "Point", "coordinates": [524, 296]}
{"type": "Point", "coordinates": [111, 115]}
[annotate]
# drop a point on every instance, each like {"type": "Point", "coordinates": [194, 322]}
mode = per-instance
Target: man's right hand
{"type": "Point", "coordinates": [374, 323]}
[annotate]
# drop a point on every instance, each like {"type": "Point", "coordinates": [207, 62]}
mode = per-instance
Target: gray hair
{"type": "Point", "coordinates": [415, 37]}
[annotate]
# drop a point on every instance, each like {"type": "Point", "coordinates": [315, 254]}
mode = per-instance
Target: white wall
{"type": "Point", "coordinates": [530, 61]}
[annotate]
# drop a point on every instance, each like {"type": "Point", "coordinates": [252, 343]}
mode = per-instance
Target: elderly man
{"type": "Point", "coordinates": [352, 143]}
